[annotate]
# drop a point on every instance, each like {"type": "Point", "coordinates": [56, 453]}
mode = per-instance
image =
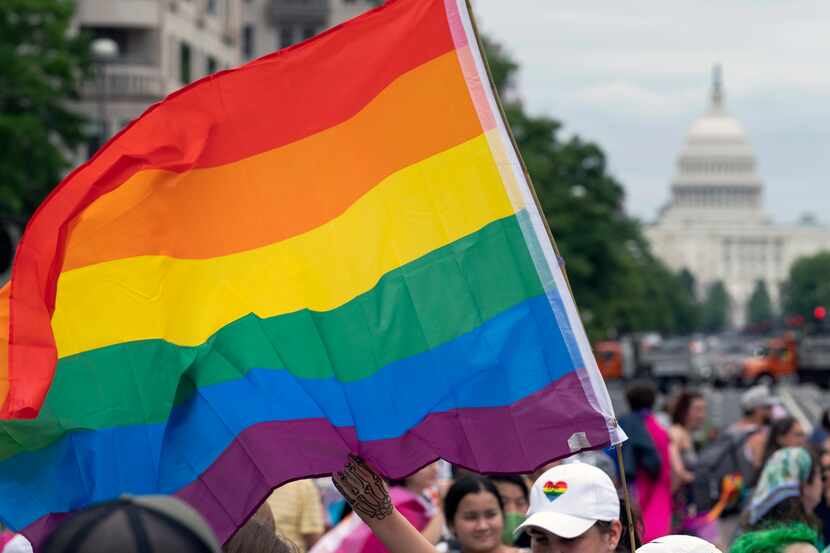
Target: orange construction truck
{"type": "Point", "coordinates": [778, 358]}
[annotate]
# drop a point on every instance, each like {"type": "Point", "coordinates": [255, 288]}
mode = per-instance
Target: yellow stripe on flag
{"type": "Point", "coordinates": [414, 211]}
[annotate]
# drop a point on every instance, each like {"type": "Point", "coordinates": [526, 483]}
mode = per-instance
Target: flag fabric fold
{"type": "Point", "coordinates": [331, 249]}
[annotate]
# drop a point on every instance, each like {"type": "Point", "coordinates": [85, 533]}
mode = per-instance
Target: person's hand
{"type": "Point", "coordinates": [363, 489]}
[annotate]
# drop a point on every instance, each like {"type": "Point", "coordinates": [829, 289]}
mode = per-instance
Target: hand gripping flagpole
{"type": "Point", "coordinates": [626, 494]}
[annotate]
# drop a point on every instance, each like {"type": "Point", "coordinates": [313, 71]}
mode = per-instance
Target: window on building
{"type": "Point", "coordinates": [212, 65]}
{"type": "Point", "coordinates": [211, 6]}
{"type": "Point", "coordinates": [185, 58]}
{"type": "Point", "coordinates": [285, 36]}
{"type": "Point", "coordinates": [248, 41]}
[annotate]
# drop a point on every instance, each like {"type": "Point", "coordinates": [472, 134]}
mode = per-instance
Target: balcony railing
{"type": "Point", "coordinates": [126, 82]}
{"type": "Point", "coordinates": [128, 13]}
{"type": "Point", "coordinates": [314, 12]}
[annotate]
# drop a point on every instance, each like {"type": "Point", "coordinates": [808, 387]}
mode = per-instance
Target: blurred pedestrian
{"type": "Point", "coordinates": [298, 512]}
{"type": "Point", "coordinates": [823, 510]}
{"type": "Point", "coordinates": [425, 513]}
{"type": "Point", "coordinates": [688, 416]}
{"type": "Point", "coordinates": [790, 538]}
{"type": "Point", "coordinates": [788, 491]}
{"type": "Point", "coordinates": [756, 406]}
{"type": "Point", "coordinates": [150, 524]}
{"type": "Point", "coordinates": [574, 508]}
{"type": "Point", "coordinates": [602, 459]}
{"type": "Point", "coordinates": [652, 482]}
{"type": "Point", "coordinates": [822, 430]}
{"type": "Point", "coordinates": [678, 544]}
{"type": "Point", "coordinates": [784, 432]}
{"type": "Point", "coordinates": [515, 497]}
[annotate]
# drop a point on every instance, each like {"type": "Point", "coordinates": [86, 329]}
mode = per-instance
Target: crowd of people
{"type": "Point", "coordinates": [761, 485]}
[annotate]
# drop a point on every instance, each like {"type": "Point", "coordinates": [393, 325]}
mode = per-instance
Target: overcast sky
{"type": "Point", "coordinates": [633, 76]}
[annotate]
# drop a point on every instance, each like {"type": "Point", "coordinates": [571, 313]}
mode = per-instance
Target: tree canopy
{"type": "Point", "coordinates": [715, 309]}
{"type": "Point", "coordinates": [759, 307]}
{"type": "Point", "coordinates": [42, 67]}
{"type": "Point", "coordinates": [618, 284]}
{"type": "Point", "coordinates": [808, 285]}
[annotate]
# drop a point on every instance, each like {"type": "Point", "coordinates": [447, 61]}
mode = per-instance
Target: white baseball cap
{"type": "Point", "coordinates": [756, 397]}
{"type": "Point", "coordinates": [18, 544]}
{"type": "Point", "coordinates": [678, 544]}
{"type": "Point", "coordinates": [568, 499]}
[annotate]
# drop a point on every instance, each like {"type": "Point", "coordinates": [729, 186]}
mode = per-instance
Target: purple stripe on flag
{"type": "Point", "coordinates": [516, 439]}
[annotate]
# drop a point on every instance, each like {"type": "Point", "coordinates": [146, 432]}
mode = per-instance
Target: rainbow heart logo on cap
{"type": "Point", "coordinates": [553, 491]}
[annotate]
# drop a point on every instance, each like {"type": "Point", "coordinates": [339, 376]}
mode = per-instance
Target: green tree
{"type": "Point", "coordinates": [687, 279]}
{"type": "Point", "coordinates": [618, 284]}
{"type": "Point", "coordinates": [808, 285]}
{"type": "Point", "coordinates": [41, 69]}
{"type": "Point", "coordinates": [715, 310]}
{"type": "Point", "coordinates": [759, 307]}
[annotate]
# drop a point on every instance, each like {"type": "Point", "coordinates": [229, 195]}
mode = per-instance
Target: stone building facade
{"type": "Point", "coordinates": [268, 25]}
{"type": "Point", "coordinates": [714, 223]}
{"type": "Point", "coordinates": [162, 46]}
{"type": "Point", "coordinates": [166, 44]}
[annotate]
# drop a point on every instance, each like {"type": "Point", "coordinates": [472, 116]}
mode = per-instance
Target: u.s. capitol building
{"type": "Point", "coordinates": [714, 224]}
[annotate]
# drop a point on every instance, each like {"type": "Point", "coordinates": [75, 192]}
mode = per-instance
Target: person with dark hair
{"type": "Point", "coordinates": [822, 430]}
{"type": "Point", "coordinates": [515, 497]}
{"type": "Point", "coordinates": [688, 416]}
{"type": "Point", "coordinates": [785, 432]}
{"type": "Point", "coordinates": [647, 458]}
{"type": "Point", "coordinates": [472, 508]}
{"type": "Point", "coordinates": [788, 491]}
{"type": "Point", "coordinates": [639, 453]}
{"type": "Point", "coordinates": [149, 524]}
{"type": "Point", "coordinates": [823, 510]}
{"type": "Point", "coordinates": [756, 406]}
{"type": "Point", "coordinates": [641, 395]}
{"type": "Point", "coordinates": [575, 508]}
{"type": "Point", "coordinates": [474, 511]}
{"type": "Point", "coordinates": [790, 538]}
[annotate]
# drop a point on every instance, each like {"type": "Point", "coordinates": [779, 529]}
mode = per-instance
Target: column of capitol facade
{"type": "Point", "coordinates": [714, 224]}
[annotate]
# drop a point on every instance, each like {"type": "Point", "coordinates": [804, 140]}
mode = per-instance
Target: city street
{"type": "Point", "coordinates": [804, 401]}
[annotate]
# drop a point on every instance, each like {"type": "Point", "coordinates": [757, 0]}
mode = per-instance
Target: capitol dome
{"type": "Point", "coordinates": [716, 169]}
{"type": "Point", "coordinates": [716, 128]}
{"type": "Point", "coordinates": [714, 226]}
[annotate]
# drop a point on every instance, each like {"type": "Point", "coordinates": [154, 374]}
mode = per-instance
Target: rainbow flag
{"type": "Point", "coordinates": [331, 249]}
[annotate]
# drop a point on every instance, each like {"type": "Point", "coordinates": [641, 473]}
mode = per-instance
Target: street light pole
{"type": "Point", "coordinates": [104, 51]}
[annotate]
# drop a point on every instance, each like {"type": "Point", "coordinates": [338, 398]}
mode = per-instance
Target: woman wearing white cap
{"type": "Point", "coordinates": [574, 508]}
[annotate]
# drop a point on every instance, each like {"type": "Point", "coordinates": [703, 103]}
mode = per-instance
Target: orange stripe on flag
{"type": "Point", "coordinates": [206, 213]}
